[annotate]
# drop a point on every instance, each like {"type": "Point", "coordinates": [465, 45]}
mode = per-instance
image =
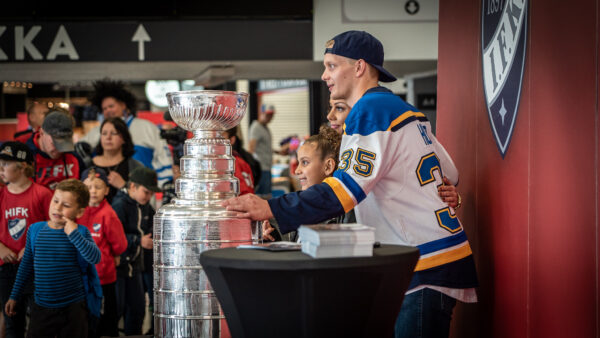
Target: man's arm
{"type": "Point", "coordinates": [252, 146]}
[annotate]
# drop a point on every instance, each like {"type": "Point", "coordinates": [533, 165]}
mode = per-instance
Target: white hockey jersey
{"type": "Point", "coordinates": [390, 167]}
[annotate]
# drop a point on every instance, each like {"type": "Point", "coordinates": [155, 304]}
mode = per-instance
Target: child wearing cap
{"type": "Point", "coordinates": [107, 231]}
{"type": "Point", "coordinates": [22, 203]}
{"type": "Point", "coordinates": [136, 214]}
{"type": "Point", "coordinates": [54, 159]}
{"type": "Point", "coordinates": [52, 256]}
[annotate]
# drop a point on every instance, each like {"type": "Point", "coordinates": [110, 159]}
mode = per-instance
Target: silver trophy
{"type": "Point", "coordinates": [184, 302]}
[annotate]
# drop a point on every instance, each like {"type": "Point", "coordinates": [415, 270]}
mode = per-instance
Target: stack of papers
{"type": "Point", "coordinates": [337, 240]}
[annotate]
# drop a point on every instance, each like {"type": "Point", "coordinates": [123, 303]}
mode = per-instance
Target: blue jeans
{"type": "Point", "coordinates": [264, 184]}
{"type": "Point", "coordinates": [425, 314]}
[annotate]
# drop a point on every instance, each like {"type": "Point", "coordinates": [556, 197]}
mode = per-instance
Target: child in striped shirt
{"type": "Point", "coordinates": [60, 307]}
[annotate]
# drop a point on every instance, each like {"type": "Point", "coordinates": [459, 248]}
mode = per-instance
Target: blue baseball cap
{"type": "Point", "coordinates": [360, 45]}
{"type": "Point", "coordinates": [95, 172]}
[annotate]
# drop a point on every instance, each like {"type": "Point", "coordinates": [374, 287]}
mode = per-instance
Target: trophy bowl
{"type": "Point", "coordinates": [207, 109]}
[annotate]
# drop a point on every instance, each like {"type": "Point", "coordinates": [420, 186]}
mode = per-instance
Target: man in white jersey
{"type": "Point", "coordinates": [390, 167]}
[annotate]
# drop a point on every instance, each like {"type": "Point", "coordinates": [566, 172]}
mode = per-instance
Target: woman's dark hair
{"type": "Point", "coordinates": [112, 88]}
{"type": "Point", "coordinates": [127, 148]}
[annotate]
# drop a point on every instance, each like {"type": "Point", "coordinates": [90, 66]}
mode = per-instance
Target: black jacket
{"type": "Point", "coordinates": [135, 219]}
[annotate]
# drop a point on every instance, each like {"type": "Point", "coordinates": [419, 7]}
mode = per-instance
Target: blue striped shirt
{"type": "Point", "coordinates": [53, 262]}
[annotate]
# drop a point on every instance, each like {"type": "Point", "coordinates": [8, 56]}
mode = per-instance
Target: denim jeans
{"type": "Point", "coordinates": [425, 314]}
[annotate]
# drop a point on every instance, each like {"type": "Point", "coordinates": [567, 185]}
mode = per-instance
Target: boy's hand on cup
{"type": "Point", "coordinates": [70, 225]}
{"type": "Point", "coordinates": [10, 307]}
{"type": "Point", "coordinates": [147, 241]}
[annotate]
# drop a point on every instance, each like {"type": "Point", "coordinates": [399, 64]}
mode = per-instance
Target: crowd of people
{"type": "Point", "coordinates": [102, 190]}
{"type": "Point", "coordinates": [75, 213]}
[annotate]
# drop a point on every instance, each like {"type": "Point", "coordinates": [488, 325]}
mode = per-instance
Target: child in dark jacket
{"type": "Point", "coordinates": [53, 260]}
{"type": "Point", "coordinates": [107, 231]}
{"type": "Point", "coordinates": [133, 210]}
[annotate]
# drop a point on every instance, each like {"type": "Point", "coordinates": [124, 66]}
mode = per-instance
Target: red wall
{"type": "Point", "coordinates": [532, 216]}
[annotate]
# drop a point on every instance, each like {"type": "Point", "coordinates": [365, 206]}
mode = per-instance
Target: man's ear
{"type": "Point", "coordinates": [360, 67]}
{"type": "Point", "coordinates": [329, 166]}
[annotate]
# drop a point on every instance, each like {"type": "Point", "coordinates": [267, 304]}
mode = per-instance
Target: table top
{"type": "Point", "coordinates": [254, 259]}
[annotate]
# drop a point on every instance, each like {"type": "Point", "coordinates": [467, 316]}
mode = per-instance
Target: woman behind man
{"type": "Point", "coordinates": [114, 154]}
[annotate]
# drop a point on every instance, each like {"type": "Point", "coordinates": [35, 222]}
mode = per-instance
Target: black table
{"type": "Point", "coordinates": [290, 294]}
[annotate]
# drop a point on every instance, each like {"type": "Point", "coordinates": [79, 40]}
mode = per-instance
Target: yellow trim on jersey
{"type": "Point", "coordinates": [341, 193]}
{"type": "Point", "coordinates": [444, 257]}
{"type": "Point", "coordinates": [403, 117]}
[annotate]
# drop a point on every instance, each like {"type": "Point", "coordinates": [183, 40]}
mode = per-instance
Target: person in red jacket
{"type": "Point", "coordinates": [107, 231]}
{"type": "Point", "coordinates": [53, 150]}
{"type": "Point", "coordinates": [243, 171]}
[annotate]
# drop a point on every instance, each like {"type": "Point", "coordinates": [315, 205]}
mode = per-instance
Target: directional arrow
{"type": "Point", "coordinates": [141, 36]}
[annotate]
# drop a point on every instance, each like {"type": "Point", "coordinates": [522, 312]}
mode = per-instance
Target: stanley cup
{"type": "Point", "coordinates": [184, 302]}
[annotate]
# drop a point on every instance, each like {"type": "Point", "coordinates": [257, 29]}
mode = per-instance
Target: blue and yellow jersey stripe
{"type": "Point", "coordinates": [392, 114]}
{"type": "Point", "coordinates": [443, 251]}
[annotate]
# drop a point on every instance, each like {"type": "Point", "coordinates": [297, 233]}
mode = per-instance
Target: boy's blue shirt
{"type": "Point", "coordinates": [88, 254]}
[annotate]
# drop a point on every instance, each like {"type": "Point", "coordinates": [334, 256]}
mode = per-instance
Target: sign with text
{"type": "Point", "coordinates": [155, 41]}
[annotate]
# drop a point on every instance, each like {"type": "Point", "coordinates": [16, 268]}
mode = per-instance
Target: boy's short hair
{"type": "Point", "coordinates": [77, 188]}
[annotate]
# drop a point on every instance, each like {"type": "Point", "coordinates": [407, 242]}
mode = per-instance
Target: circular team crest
{"type": "Point", "coordinates": [503, 47]}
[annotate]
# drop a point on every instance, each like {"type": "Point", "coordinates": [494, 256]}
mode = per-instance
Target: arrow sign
{"type": "Point", "coordinates": [141, 36]}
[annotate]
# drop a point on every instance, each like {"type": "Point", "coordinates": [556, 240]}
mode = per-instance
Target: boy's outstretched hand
{"type": "Point", "coordinates": [10, 307]}
{"type": "Point", "coordinates": [70, 225]}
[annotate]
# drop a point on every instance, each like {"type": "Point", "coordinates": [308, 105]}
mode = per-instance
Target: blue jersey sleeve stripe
{"type": "Point", "coordinates": [443, 243]}
{"type": "Point", "coordinates": [351, 185]}
{"type": "Point", "coordinates": [406, 115]}
{"type": "Point", "coordinates": [340, 192]}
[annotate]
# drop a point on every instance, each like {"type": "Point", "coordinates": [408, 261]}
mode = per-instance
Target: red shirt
{"type": "Point", "coordinates": [19, 211]}
{"type": "Point", "coordinates": [107, 232]}
{"type": "Point", "coordinates": [243, 172]}
{"type": "Point", "coordinates": [49, 172]}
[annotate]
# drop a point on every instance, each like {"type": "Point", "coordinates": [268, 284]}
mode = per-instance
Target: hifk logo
{"type": "Point", "coordinates": [503, 49]}
{"type": "Point", "coordinates": [16, 227]}
{"type": "Point", "coordinates": [96, 227]}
